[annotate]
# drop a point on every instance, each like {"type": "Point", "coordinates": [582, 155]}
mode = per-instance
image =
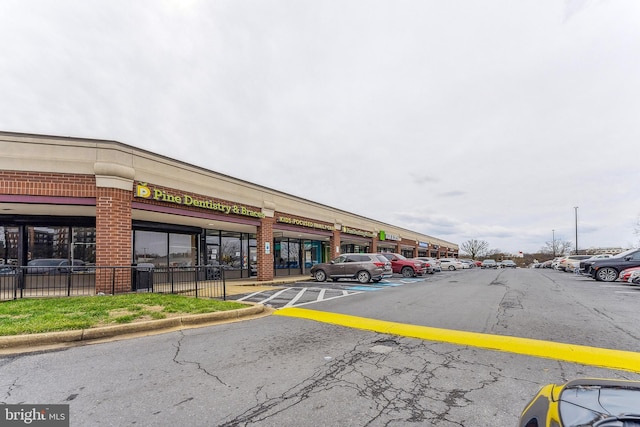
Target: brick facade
{"type": "Point", "coordinates": [47, 184]}
{"type": "Point", "coordinates": [264, 234]}
{"type": "Point", "coordinates": [113, 234]}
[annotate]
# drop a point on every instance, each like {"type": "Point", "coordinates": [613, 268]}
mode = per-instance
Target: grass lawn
{"type": "Point", "coordinates": [30, 316]}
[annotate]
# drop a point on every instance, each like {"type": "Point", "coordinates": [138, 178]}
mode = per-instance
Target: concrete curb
{"type": "Point", "coordinates": [50, 338]}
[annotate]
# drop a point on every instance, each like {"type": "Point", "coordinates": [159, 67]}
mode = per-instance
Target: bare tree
{"type": "Point", "coordinates": [475, 248]}
{"type": "Point", "coordinates": [557, 247]}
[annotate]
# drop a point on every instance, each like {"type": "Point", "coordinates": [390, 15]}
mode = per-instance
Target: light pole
{"type": "Point", "coordinates": [576, 210]}
{"type": "Point", "coordinates": [553, 237]}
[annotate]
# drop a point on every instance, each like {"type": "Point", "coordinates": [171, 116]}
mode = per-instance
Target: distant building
{"type": "Point", "coordinates": [611, 251]}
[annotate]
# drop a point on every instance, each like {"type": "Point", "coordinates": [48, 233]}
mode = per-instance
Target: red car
{"type": "Point", "coordinates": [626, 274]}
{"type": "Point", "coordinates": [406, 267]}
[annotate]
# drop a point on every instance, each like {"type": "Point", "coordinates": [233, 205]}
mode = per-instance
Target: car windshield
{"type": "Point", "coordinates": [625, 253]}
{"type": "Point", "coordinates": [599, 406]}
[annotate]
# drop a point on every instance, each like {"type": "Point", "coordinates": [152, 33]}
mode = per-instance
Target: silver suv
{"type": "Point", "coordinates": [363, 267]}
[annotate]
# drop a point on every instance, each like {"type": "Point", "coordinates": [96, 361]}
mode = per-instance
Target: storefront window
{"type": "Point", "coordinates": [9, 245]}
{"type": "Point", "coordinates": [83, 244]}
{"type": "Point", "coordinates": [407, 253]}
{"type": "Point", "coordinates": [231, 250]}
{"type": "Point", "coordinates": [150, 247]}
{"type": "Point", "coordinates": [47, 242]}
{"type": "Point", "coordinates": [287, 256]}
{"type": "Point", "coordinates": [183, 250]}
{"type": "Point", "coordinates": [235, 252]}
{"type": "Point", "coordinates": [20, 244]}
{"type": "Point", "coordinates": [253, 256]}
{"type": "Point", "coordinates": [312, 253]}
{"type": "Point", "coordinates": [354, 249]}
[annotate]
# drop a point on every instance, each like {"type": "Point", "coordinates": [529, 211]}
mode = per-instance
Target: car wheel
{"type": "Point", "coordinates": [407, 272]}
{"type": "Point", "coordinates": [607, 274]}
{"type": "Point", "coordinates": [320, 276]}
{"type": "Point", "coordinates": [364, 277]}
{"type": "Point", "coordinates": [452, 267]}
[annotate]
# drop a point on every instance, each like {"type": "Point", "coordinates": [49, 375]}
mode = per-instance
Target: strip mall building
{"type": "Point", "coordinates": [111, 204]}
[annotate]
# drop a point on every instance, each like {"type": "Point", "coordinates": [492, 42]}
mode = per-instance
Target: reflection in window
{"type": "Point", "coordinates": [47, 242]}
{"type": "Point", "coordinates": [287, 254]}
{"type": "Point", "coordinates": [230, 250]}
{"type": "Point", "coordinates": [83, 243]}
{"type": "Point", "coordinates": [9, 245]}
{"type": "Point", "coordinates": [182, 250]}
{"type": "Point", "coordinates": [150, 247]}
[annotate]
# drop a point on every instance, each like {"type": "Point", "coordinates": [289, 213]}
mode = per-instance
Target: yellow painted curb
{"type": "Point", "coordinates": [592, 356]}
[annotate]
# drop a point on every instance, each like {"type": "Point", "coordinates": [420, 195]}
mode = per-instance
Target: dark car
{"type": "Point", "coordinates": [585, 265]}
{"type": "Point", "coordinates": [585, 402]}
{"type": "Point", "coordinates": [406, 266]}
{"type": "Point", "coordinates": [608, 269]}
{"type": "Point", "coordinates": [54, 266]}
{"type": "Point", "coordinates": [363, 267]}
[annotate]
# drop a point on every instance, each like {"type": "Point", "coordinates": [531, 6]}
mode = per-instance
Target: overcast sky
{"type": "Point", "coordinates": [461, 119]}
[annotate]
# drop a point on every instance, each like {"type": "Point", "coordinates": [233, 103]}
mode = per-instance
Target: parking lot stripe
{"type": "Point", "coordinates": [297, 297]}
{"type": "Point", "coordinates": [585, 355]}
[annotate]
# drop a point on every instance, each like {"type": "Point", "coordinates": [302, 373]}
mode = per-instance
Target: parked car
{"type": "Point", "coordinates": [433, 262]}
{"type": "Point", "coordinates": [428, 269]}
{"type": "Point", "coordinates": [451, 264]}
{"type": "Point", "coordinates": [405, 266]}
{"type": "Point", "coordinates": [546, 264]}
{"type": "Point", "coordinates": [625, 275]}
{"type": "Point", "coordinates": [585, 402]}
{"type": "Point", "coordinates": [608, 269]}
{"type": "Point", "coordinates": [54, 266]}
{"type": "Point", "coordinates": [556, 261]}
{"type": "Point", "coordinates": [507, 263]}
{"type": "Point", "coordinates": [489, 263]}
{"type": "Point", "coordinates": [571, 262]}
{"type": "Point", "coordinates": [363, 267]}
{"type": "Point", "coordinates": [468, 263]}
{"type": "Point", "coordinates": [585, 264]}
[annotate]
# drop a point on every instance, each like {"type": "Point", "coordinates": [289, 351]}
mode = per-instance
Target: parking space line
{"type": "Point", "coordinates": [585, 355]}
{"type": "Point", "coordinates": [296, 298]}
{"type": "Point", "coordinates": [344, 294]}
{"type": "Point", "coordinates": [277, 294]}
{"type": "Point", "coordinates": [246, 297]}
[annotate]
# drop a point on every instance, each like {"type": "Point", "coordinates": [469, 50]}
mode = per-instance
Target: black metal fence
{"type": "Point", "coordinates": [30, 282]}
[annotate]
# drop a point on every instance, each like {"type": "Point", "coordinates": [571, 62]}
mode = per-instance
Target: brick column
{"type": "Point", "coordinates": [264, 234]}
{"type": "Point", "coordinates": [374, 245]}
{"type": "Point", "coordinates": [114, 191]}
{"type": "Point", "coordinates": [113, 239]}
{"type": "Point", "coordinates": [334, 242]}
{"type": "Point", "coordinates": [415, 251]}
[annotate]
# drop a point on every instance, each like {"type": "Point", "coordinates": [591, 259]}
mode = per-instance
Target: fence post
{"type": "Point", "coordinates": [196, 273]}
{"type": "Point", "coordinates": [224, 285]}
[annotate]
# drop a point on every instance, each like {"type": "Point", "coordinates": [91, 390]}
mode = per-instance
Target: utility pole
{"type": "Point", "coordinates": [553, 237]}
{"type": "Point", "coordinates": [576, 209]}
